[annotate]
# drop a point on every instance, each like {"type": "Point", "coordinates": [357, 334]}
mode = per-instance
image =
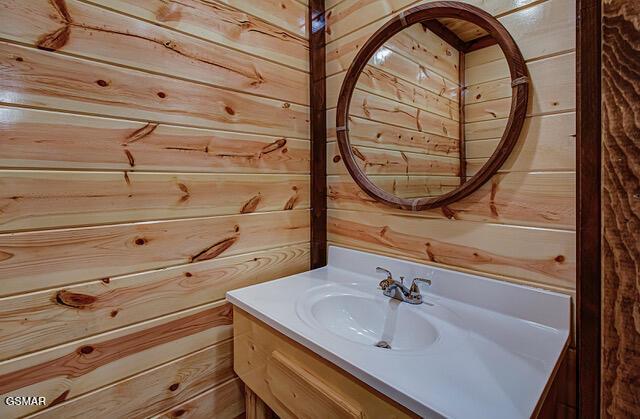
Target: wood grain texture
{"type": "Point", "coordinates": [140, 140]}
{"type": "Point", "coordinates": [417, 15]}
{"type": "Point", "coordinates": [538, 255]}
{"type": "Point", "coordinates": [52, 199]}
{"type": "Point", "coordinates": [255, 407]}
{"type": "Point", "coordinates": [44, 139]}
{"type": "Point", "coordinates": [216, 21]}
{"type": "Point", "coordinates": [539, 30]}
{"type": "Point", "coordinates": [68, 371]}
{"type": "Point", "coordinates": [40, 78]}
{"type": "Point", "coordinates": [138, 44]}
{"type": "Point", "coordinates": [620, 210]}
{"type": "Point", "coordinates": [47, 318]}
{"type": "Point", "coordinates": [370, 133]}
{"type": "Point", "coordinates": [318, 93]}
{"type": "Point", "coordinates": [295, 382]}
{"type": "Point", "coordinates": [375, 161]}
{"type": "Point", "coordinates": [224, 401]}
{"type": "Point", "coordinates": [350, 15]}
{"type": "Point", "coordinates": [155, 390]}
{"type": "Point", "coordinates": [37, 260]}
{"type": "Point", "coordinates": [589, 206]}
{"type": "Point", "coordinates": [524, 199]}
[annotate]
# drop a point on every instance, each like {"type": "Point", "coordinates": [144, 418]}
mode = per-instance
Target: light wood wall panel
{"type": "Point", "coordinates": [509, 227]}
{"type": "Point", "coordinates": [148, 47]}
{"type": "Point", "coordinates": [153, 156]}
{"type": "Point", "coordinates": [227, 24]}
{"type": "Point", "coordinates": [45, 139]}
{"type": "Point", "coordinates": [46, 318]}
{"type": "Point", "coordinates": [38, 78]}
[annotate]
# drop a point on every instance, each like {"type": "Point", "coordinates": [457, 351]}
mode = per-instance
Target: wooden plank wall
{"type": "Point", "coordinates": [153, 155]}
{"type": "Point", "coordinates": [487, 101]}
{"type": "Point", "coordinates": [520, 226]}
{"type": "Point", "coordinates": [410, 88]}
{"type": "Point", "coordinates": [620, 210]}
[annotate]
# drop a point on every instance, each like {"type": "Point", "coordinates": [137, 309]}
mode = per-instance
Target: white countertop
{"type": "Point", "coordinates": [495, 348]}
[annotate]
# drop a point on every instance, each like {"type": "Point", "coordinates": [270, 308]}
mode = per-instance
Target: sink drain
{"type": "Point", "coordinates": [383, 344]}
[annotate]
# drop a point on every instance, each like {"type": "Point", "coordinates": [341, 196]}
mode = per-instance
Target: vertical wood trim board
{"type": "Point", "coordinates": [620, 211]}
{"type": "Point", "coordinates": [588, 205]}
{"type": "Point", "coordinates": [318, 95]}
{"type": "Point", "coordinates": [154, 155]}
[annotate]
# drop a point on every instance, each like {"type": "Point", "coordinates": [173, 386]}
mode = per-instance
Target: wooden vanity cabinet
{"type": "Point", "coordinates": [295, 382]}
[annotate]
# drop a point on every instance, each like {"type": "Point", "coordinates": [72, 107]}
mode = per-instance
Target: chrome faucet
{"type": "Point", "coordinates": [394, 289]}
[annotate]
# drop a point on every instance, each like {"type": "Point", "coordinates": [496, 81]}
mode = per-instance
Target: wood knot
{"type": "Point", "coordinates": [286, 105]}
{"type": "Point", "coordinates": [179, 413]}
{"type": "Point", "coordinates": [174, 386]}
{"type": "Point", "coordinates": [106, 280]}
{"type": "Point", "coordinates": [188, 274]}
{"type": "Point", "coordinates": [229, 110]}
{"type": "Point", "coordinates": [141, 241]}
{"type": "Point", "coordinates": [19, 59]}
{"type": "Point", "coordinates": [114, 313]}
{"type": "Point", "coordinates": [102, 83]}
{"type": "Point", "coordinates": [87, 349]}
{"type": "Point", "coordinates": [560, 259]}
{"type": "Point", "coordinates": [75, 300]}
{"type": "Point", "coordinates": [162, 95]}
{"type": "Point", "coordinates": [336, 159]}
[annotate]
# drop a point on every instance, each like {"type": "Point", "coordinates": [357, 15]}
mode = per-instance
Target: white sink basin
{"type": "Point", "coordinates": [386, 324]}
{"type": "Point", "coordinates": [475, 348]}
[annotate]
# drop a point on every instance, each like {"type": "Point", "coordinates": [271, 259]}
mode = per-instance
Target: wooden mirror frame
{"type": "Point", "coordinates": [520, 96]}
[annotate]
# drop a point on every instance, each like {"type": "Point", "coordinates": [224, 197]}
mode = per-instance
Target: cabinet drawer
{"type": "Point", "coordinates": [297, 383]}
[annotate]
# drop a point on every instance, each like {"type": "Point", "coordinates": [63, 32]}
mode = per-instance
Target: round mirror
{"type": "Point", "coordinates": [431, 106]}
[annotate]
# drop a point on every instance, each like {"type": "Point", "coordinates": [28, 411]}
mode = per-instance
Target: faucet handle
{"type": "Point", "coordinates": [414, 286]}
{"type": "Point", "coordinates": [385, 283]}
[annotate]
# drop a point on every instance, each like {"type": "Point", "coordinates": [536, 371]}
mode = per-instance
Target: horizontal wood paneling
{"type": "Point", "coordinates": [541, 255]}
{"type": "Point", "coordinates": [38, 199]}
{"type": "Point", "coordinates": [39, 78]}
{"type": "Point", "coordinates": [147, 46]}
{"type": "Point", "coordinates": [380, 82]}
{"type": "Point", "coordinates": [533, 199]}
{"type": "Point", "coordinates": [370, 133]}
{"type": "Point", "coordinates": [539, 30]}
{"type": "Point", "coordinates": [375, 161]}
{"type": "Point", "coordinates": [79, 367]}
{"type": "Point", "coordinates": [349, 15]}
{"type": "Point", "coordinates": [155, 390]}
{"type": "Point", "coordinates": [386, 111]}
{"type": "Point", "coordinates": [44, 139]}
{"type": "Point", "coordinates": [225, 24]}
{"type": "Point", "coordinates": [154, 155]}
{"type": "Point", "coordinates": [37, 260]}
{"type": "Point", "coordinates": [225, 401]}
{"type": "Point", "coordinates": [43, 319]}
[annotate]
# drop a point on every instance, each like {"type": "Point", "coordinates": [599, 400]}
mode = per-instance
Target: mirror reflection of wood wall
{"type": "Point", "coordinates": [412, 108]}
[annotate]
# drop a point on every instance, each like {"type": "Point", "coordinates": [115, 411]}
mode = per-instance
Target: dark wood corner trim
{"type": "Point", "coordinates": [588, 222]}
{"type": "Point", "coordinates": [444, 33]}
{"type": "Point", "coordinates": [461, 118]}
{"type": "Point", "coordinates": [479, 43]}
{"type": "Point", "coordinates": [317, 96]}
